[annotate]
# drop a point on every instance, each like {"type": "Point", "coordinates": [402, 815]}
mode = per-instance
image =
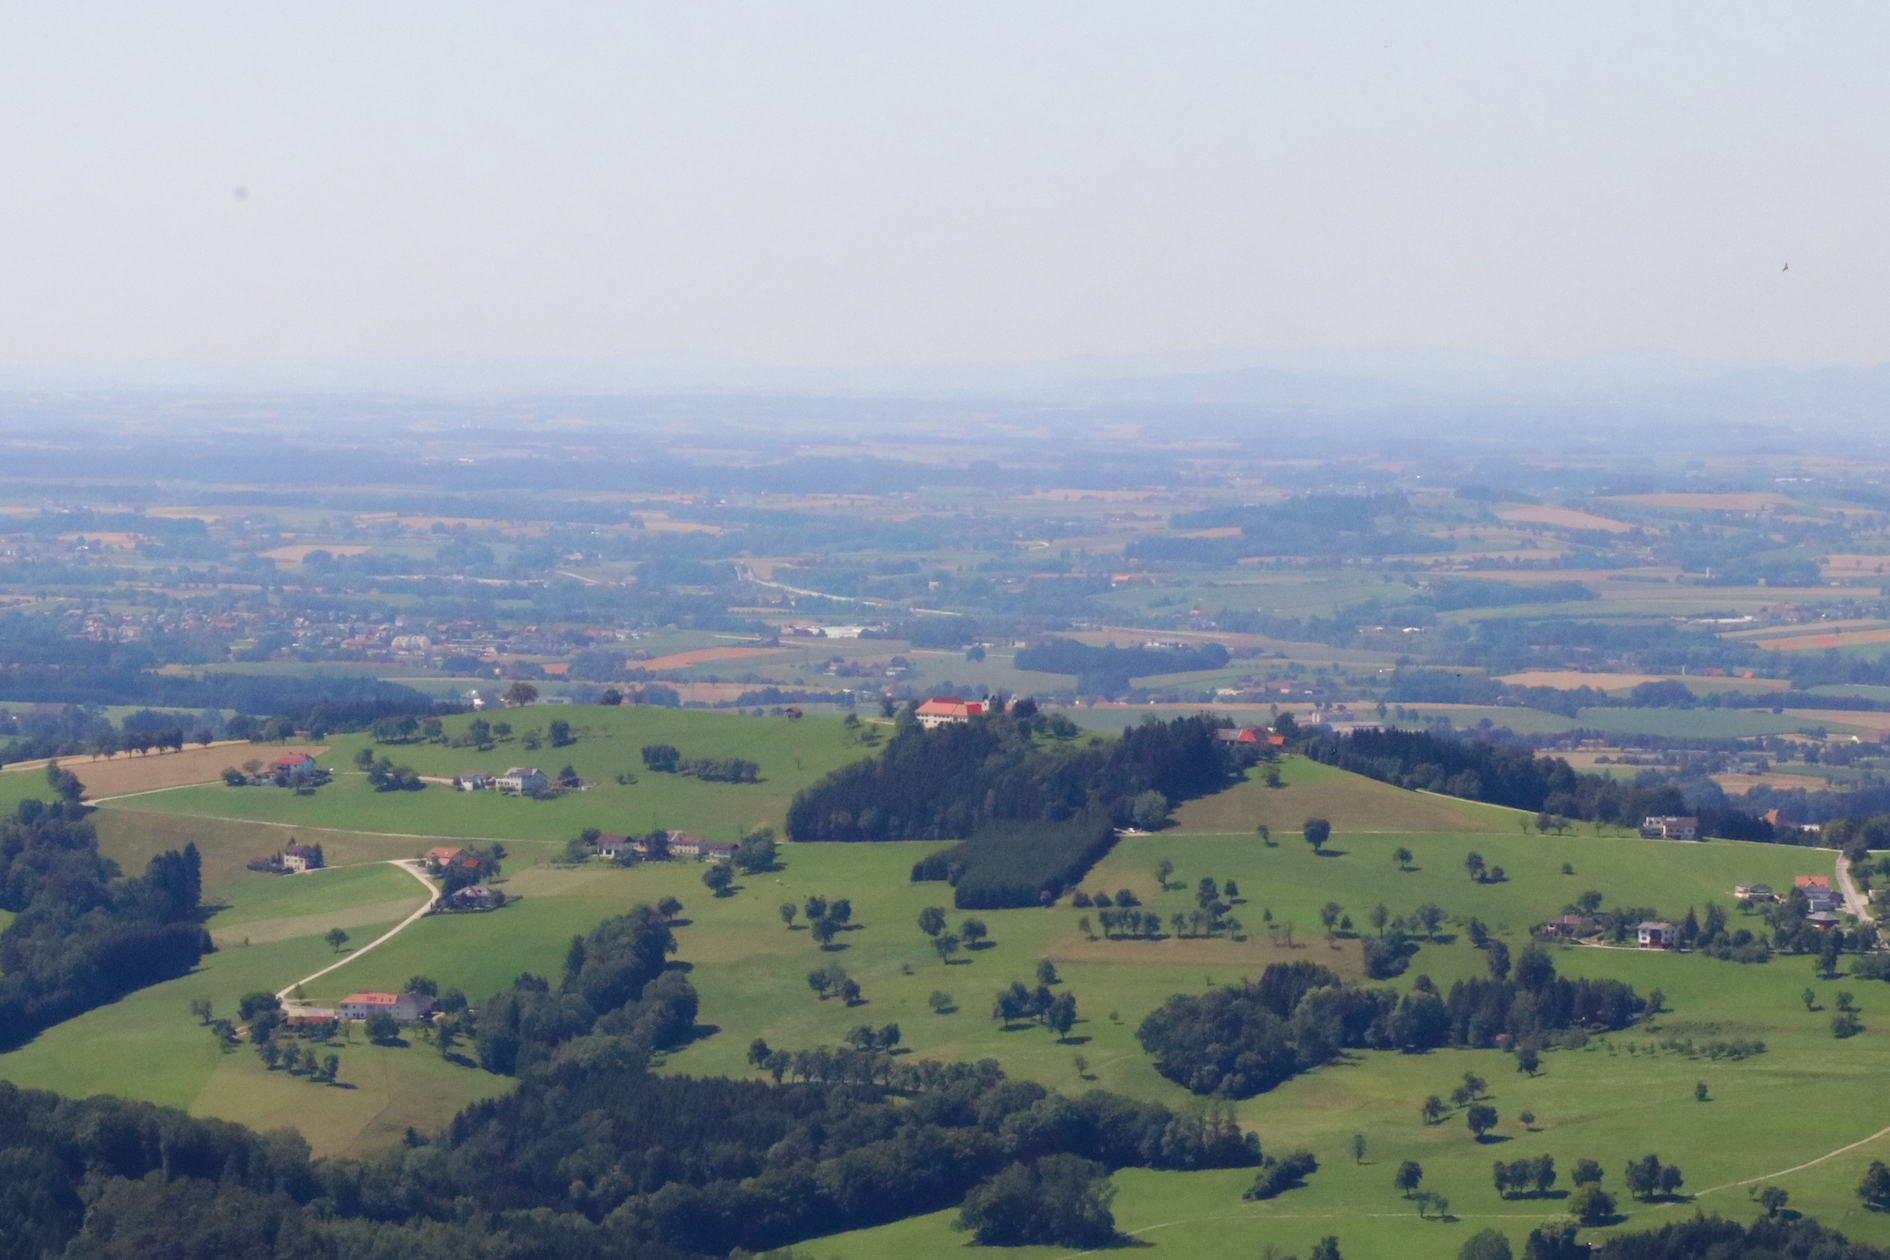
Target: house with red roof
{"type": "Point", "coordinates": [949, 710]}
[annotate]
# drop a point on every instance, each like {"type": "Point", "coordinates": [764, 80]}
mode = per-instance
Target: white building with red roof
{"type": "Point", "coordinates": [943, 710]}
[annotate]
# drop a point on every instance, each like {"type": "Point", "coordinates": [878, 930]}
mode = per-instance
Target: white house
{"type": "Point", "coordinates": [610, 846]}
{"type": "Point", "coordinates": [944, 710]}
{"type": "Point", "coordinates": [473, 781]}
{"type": "Point", "coordinates": [405, 1007]}
{"type": "Point", "coordinates": [520, 779]}
{"type": "Point", "coordinates": [1653, 935]}
{"type": "Point", "coordinates": [1670, 828]}
{"type": "Point", "coordinates": [301, 857]}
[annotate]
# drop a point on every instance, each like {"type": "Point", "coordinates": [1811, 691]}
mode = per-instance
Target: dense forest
{"type": "Point", "coordinates": [1237, 1041]}
{"type": "Point", "coordinates": [579, 1161]}
{"type": "Point", "coordinates": [1033, 817]}
{"type": "Point", "coordinates": [83, 936]}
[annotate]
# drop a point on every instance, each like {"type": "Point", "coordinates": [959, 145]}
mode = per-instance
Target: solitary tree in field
{"type": "Point", "coordinates": [200, 1007]}
{"type": "Point", "coordinates": [1329, 915]}
{"type": "Point", "coordinates": [824, 930]}
{"type": "Point", "coordinates": [336, 938]}
{"type": "Point", "coordinates": [1407, 1178]}
{"type": "Point", "coordinates": [946, 944]}
{"type": "Point", "coordinates": [718, 877]}
{"type": "Point", "coordinates": [1473, 862]}
{"type": "Point", "coordinates": [1316, 832]}
{"type": "Point", "coordinates": [331, 1066]}
{"type": "Point", "coordinates": [974, 931]}
{"type": "Point", "coordinates": [931, 920]}
{"type": "Point", "coordinates": [1772, 1199]}
{"type": "Point", "coordinates": [1163, 870]}
{"type": "Point", "coordinates": [1874, 1189]}
{"type": "Point", "coordinates": [1433, 1109]}
{"type": "Point", "coordinates": [1403, 858]}
{"type": "Point", "coordinates": [1379, 917]}
{"type": "Point", "coordinates": [940, 1001]}
{"type": "Point", "coordinates": [1358, 1148]}
{"type": "Point", "coordinates": [1481, 1119]}
{"type": "Point", "coordinates": [788, 911]}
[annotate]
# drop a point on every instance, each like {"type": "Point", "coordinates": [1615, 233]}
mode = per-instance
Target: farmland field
{"type": "Point", "coordinates": [1602, 1101]}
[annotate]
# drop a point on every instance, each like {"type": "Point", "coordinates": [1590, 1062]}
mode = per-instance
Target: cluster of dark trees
{"type": "Point", "coordinates": [83, 936]}
{"type": "Point", "coordinates": [613, 1164]}
{"type": "Point", "coordinates": [1532, 1004]}
{"type": "Point", "coordinates": [1242, 1040]}
{"type": "Point", "coordinates": [616, 1004]}
{"type": "Point", "coordinates": [664, 759]}
{"type": "Point", "coordinates": [1106, 671]}
{"type": "Point", "coordinates": [1035, 819]}
{"type": "Point", "coordinates": [1010, 864]}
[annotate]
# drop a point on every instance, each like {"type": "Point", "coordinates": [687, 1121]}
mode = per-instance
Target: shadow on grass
{"type": "Point", "coordinates": [1080, 1039]}
{"type": "Point", "coordinates": [1333, 853]}
{"type": "Point", "coordinates": [1493, 1139]}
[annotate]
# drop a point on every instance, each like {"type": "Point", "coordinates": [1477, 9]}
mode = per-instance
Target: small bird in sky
{"type": "Point", "coordinates": [1786, 267]}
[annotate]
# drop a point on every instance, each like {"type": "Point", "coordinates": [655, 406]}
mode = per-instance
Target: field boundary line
{"type": "Point", "coordinates": [304, 826]}
{"type": "Point", "coordinates": [125, 796]}
{"type": "Point", "coordinates": [433, 895]}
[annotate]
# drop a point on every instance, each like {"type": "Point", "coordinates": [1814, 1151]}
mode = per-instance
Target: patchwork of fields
{"type": "Point", "coordinates": [1620, 1097]}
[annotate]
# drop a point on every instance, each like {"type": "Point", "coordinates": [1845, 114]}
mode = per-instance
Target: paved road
{"type": "Point", "coordinates": [1853, 900]}
{"type": "Point", "coordinates": [433, 894]}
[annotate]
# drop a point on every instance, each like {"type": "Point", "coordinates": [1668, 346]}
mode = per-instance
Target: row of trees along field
{"type": "Point", "coordinates": [83, 936]}
{"type": "Point", "coordinates": [990, 783]}
{"type": "Point", "coordinates": [1237, 1041]}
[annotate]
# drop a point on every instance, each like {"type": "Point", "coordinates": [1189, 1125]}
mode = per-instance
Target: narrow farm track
{"type": "Point", "coordinates": [1853, 900]}
{"type": "Point", "coordinates": [433, 895]}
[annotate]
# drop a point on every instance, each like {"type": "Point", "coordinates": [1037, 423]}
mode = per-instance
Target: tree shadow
{"type": "Point", "coordinates": [980, 946]}
{"type": "Point", "coordinates": [958, 962]}
{"type": "Point", "coordinates": [342, 1085]}
{"type": "Point", "coordinates": [1329, 853]}
{"type": "Point", "coordinates": [833, 947]}
{"type": "Point", "coordinates": [1492, 1139]}
{"type": "Point", "coordinates": [1081, 1039]}
{"type": "Point", "coordinates": [697, 1032]}
{"type": "Point", "coordinates": [459, 1060]}
{"type": "Point", "coordinates": [677, 964]}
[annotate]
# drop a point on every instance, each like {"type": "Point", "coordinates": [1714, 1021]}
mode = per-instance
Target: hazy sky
{"type": "Point", "coordinates": [843, 184]}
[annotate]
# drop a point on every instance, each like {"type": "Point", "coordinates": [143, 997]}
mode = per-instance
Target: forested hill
{"type": "Point", "coordinates": [84, 937]}
{"type": "Point", "coordinates": [1516, 777]}
{"type": "Point", "coordinates": [950, 782]}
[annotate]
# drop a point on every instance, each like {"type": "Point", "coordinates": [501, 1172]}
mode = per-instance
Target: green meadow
{"type": "Point", "coordinates": [608, 742]}
{"type": "Point", "coordinates": [1619, 1097]}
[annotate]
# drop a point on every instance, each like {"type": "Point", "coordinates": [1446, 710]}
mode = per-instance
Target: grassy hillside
{"type": "Point", "coordinates": [1793, 1104]}
{"type": "Point", "coordinates": [608, 742]}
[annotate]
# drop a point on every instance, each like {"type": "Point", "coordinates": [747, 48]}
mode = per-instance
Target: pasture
{"type": "Point", "coordinates": [607, 743]}
{"type": "Point", "coordinates": [1620, 1097]}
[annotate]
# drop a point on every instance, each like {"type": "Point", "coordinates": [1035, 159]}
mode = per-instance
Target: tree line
{"type": "Point", "coordinates": [83, 936]}
{"type": "Point", "coordinates": [1240, 1040]}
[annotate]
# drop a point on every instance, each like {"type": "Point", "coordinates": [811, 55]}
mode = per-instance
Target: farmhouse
{"type": "Point", "coordinates": [301, 857]}
{"type": "Point", "coordinates": [1819, 898]}
{"type": "Point", "coordinates": [1654, 935]}
{"type": "Point", "coordinates": [1662, 827]}
{"type": "Point", "coordinates": [941, 710]}
{"type": "Point", "coordinates": [521, 779]}
{"type": "Point", "coordinates": [472, 897]}
{"type": "Point", "coordinates": [1571, 926]}
{"type": "Point", "coordinates": [610, 846]}
{"type": "Point", "coordinates": [292, 769]}
{"type": "Point", "coordinates": [303, 1016]}
{"type": "Point", "coordinates": [1754, 892]}
{"type": "Point", "coordinates": [442, 855]}
{"type": "Point", "coordinates": [405, 1007]}
{"type": "Point", "coordinates": [1244, 735]}
{"type": "Point", "coordinates": [473, 781]}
